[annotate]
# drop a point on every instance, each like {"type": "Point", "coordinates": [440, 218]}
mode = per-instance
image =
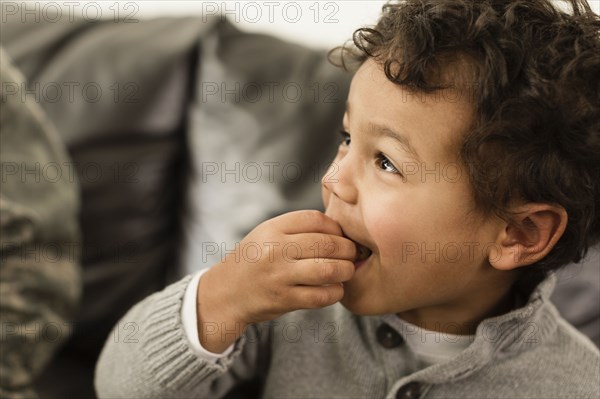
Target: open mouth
{"type": "Point", "coordinates": [363, 252]}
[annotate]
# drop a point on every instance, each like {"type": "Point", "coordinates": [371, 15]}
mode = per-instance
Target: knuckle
{"type": "Point", "coordinates": [276, 295]}
{"type": "Point", "coordinates": [329, 271]}
{"type": "Point", "coordinates": [322, 298]}
{"type": "Point", "coordinates": [315, 216]}
{"type": "Point", "coordinates": [327, 244]}
{"type": "Point", "coordinates": [347, 270]}
{"type": "Point", "coordinates": [337, 293]}
{"type": "Point", "coordinates": [352, 251]}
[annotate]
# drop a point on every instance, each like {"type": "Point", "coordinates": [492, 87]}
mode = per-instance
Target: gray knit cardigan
{"type": "Point", "coordinates": [530, 352]}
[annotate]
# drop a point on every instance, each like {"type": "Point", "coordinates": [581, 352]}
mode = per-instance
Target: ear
{"type": "Point", "coordinates": [529, 237]}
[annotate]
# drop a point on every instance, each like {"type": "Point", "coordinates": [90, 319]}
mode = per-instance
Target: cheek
{"type": "Point", "coordinates": [388, 231]}
{"type": "Point", "coordinates": [398, 224]}
{"type": "Point", "coordinates": [404, 226]}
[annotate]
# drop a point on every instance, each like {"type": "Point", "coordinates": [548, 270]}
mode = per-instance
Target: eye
{"type": "Point", "coordinates": [386, 165]}
{"type": "Point", "coordinates": [345, 137]}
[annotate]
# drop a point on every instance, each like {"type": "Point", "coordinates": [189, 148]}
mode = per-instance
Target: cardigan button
{"type": "Point", "coordinates": [388, 337]}
{"type": "Point", "coordinates": [412, 390]}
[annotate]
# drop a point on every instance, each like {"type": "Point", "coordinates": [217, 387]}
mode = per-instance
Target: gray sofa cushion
{"type": "Point", "coordinates": [262, 133]}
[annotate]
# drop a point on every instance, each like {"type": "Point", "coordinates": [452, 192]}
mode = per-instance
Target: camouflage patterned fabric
{"type": "Point", "coordinates": [39, 238]}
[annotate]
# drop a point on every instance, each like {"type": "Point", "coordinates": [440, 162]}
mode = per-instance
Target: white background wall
{"type": "Point", "coordinates": [320, 23]}
{"type": "Point", "coordinates": [324, 23]}
{"type": "Point", "coordinates": [316, 23]}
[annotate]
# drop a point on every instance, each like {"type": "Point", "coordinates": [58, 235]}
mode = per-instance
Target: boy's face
{"type": "Point", "coordinates": [412, 208]}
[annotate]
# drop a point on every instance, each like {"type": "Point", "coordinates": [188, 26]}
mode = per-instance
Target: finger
{"type": "Point", "coordinates": [315, 272]}
{"type": "Point", "coordinates": [306, 221]}
{"type": "Point", "coordinates": [303, 297]}
{"type": "Point", "coordinates": [318, 245]}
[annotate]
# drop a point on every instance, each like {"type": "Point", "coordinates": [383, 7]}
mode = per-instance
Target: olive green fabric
{"type": "Point", "coordinates": [39, 237]}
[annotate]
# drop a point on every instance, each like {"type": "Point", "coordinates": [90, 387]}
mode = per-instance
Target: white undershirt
{"type": "Point", "coordinates": [430, 347]}
{"type": "Point", "coordinates": [189, 319]}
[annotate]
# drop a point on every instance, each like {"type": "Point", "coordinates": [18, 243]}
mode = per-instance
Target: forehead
{"type": "Point", "coordinates": [443, 116]}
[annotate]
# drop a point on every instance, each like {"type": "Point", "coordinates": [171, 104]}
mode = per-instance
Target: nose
{"type": "Point", "coordinates": [340, 180]}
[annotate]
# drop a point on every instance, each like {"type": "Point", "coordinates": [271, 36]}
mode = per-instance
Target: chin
{"type": "Point", "coordinates": [358, 307]}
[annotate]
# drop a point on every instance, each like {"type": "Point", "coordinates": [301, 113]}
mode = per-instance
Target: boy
{"type": "Point", "coordinates": [468, 171]}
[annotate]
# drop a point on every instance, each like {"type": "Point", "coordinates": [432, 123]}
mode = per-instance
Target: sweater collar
{"type": "Point", "coordinates": [497, 337]}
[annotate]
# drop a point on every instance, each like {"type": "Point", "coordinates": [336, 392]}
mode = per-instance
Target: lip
{"type": "Point", "coordinates": [362, 262]}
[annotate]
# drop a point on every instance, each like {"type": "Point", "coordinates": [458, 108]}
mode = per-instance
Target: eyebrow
{"type": "Point", "coordinates": [385, 131]}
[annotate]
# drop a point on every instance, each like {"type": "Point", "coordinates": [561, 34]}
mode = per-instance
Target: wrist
{"type": "Point", "coordinates": [218, 327]}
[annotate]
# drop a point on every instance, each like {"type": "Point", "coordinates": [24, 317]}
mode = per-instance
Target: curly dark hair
{"type": "Point", "coordinates": [535, 70]}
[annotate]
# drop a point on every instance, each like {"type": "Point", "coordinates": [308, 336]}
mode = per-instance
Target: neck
{"type": "Point", "coordinates": [463, 316]}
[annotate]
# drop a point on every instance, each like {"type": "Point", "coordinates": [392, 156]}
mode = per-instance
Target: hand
{"type": "Point", "coordinates": [294, 261]}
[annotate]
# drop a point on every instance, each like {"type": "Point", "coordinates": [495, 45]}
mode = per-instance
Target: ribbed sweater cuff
{"type": "Point", "coordinates": [169, 356]}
